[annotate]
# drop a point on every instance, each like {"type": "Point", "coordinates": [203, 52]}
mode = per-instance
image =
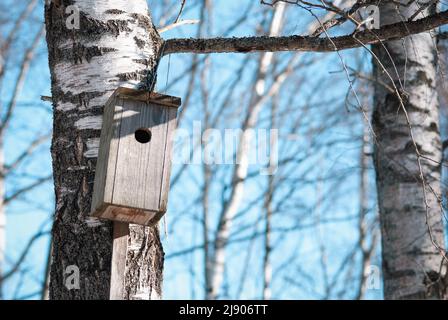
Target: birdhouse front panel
{"type": "Point", "coordinates": [134, 161]}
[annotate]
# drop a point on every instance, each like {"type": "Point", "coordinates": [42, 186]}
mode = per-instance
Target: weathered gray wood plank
{"type": "Point", "coordinates": [118, 267]}
{"type": "Point", "coordinates": [129, 215]}
{"type": "Point", "coordinates": [171, 126]}
{"type": "Point", "coordinates": [149, 97]}
{"type": "Point", "coordinates": [105, 167]}
{"type": "Point", "coordinates": [139, 167]}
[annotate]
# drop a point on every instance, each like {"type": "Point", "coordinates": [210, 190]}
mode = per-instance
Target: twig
{"type": "Point", "coordinates": [177, 24]}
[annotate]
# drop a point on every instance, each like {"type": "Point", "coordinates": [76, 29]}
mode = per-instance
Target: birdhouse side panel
{"type": "Point", "coordinates": [172, 125]}
{"type": "Point", "coordinates": [107, 153]}
{"type": "Point", "coordinates": [139, 168]}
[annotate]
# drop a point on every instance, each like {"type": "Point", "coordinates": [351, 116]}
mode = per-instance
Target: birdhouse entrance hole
{"type": "Point", "coordinates": [143, 135]}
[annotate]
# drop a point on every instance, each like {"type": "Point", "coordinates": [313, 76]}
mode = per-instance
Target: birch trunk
{"type": "Point", "coordinates": [411, 225]}
{"type": "Point", "coordinates": [366, 249]}
{"type": "Point", "coordinates": [115, 45]}
{"type": "Point", "coordinates": [269, 211]}
{"type": "Point", "coordinates": [267, 267]}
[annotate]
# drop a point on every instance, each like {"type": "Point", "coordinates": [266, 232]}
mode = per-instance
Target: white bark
{"type": "Point", "coordinates": [408, 184]}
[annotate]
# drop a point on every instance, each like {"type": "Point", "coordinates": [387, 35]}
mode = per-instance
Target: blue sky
{"type": "Point", "coordinates": [34, 211]}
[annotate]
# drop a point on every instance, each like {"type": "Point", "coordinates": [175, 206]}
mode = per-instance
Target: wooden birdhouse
{"type": "Point", "coordinates": [134, 160]}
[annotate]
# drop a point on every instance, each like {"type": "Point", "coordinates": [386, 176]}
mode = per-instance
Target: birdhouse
{"type": "Point", "coordinates": [134, 159]}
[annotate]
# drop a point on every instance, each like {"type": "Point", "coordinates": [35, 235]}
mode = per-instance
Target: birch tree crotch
{"type": "Point", "coordinates": [410, 214]}
{"type": "Point", "coordinates": [115, 45]}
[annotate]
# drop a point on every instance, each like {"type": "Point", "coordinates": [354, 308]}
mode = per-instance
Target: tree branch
{"type": "Point", "coordinates": [24, 67]}
{"type": "Point", "coordinates": [303, 43]}
{"type": "Point", "coordinates": [33, 185]}
{"type": "Point", "coordinates": [24, 254]}
{"type": "Point", "coordinates": [26, 153]}
{"type": "Point", "coordinates": [177, 24]}
{"type": "Point", "coordinates": [4, 47]}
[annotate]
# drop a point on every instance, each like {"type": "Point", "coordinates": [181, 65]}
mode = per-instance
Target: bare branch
{"type": "Point", "coordinates": [34, 144]}
{"type": "Point", "coordinates": [25, 252]}
{"type": "Point", "coordinates": [33, 185]}
{"type": "Point", "coordinates": [177, 24]}
{"type": "Point", "coordinates": [304, 43]}
{"type": "Point", "coordinates": [7, 43]}
{"type": "Point", "coordinates": [29, 55]}
{"type": "Point", "coordinates": [180, 11]}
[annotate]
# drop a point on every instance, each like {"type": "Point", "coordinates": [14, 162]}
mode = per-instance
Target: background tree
{"type": "Point", "coordinates": [408, 162]}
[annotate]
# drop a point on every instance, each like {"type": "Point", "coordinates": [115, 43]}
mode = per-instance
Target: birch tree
{"type": "Point", "coordinates": [408, 161]}
{"type": "Point", "coordinates": [115, 44]}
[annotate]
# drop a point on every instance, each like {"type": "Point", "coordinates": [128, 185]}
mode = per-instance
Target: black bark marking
{"type": "Point", "coordinates": [140, 43]}
{"type": "Point", "coordinates": [114, 11]}
{"type": "Point", "coordinates": [81, 100]}
{"type": "Point", "coordinates": [136, 75]}
{"type": "Point", "coordinates": [80, 53]}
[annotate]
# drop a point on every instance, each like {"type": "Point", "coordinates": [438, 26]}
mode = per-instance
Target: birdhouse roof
{"type": "Point", "coordinates": [145, 96]}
